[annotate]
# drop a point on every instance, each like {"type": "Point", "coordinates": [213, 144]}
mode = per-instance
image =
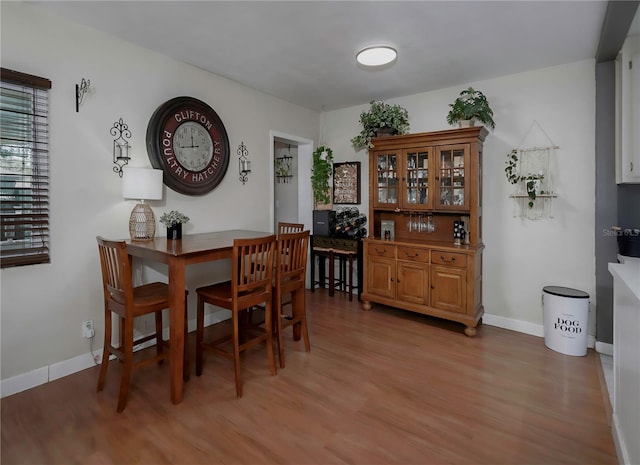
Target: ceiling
{"type": "Point", "coordinates": [304, 51]}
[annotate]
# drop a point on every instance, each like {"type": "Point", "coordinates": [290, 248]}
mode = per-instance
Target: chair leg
{"type": "Point", "coordinates": [236, 353]}
{"type": "Point", "coordinates": [128, 364]}
{"type": "Point", "coordinates": [350, 287]}
{"type": "Point", "coordinates": [199, 335]}
{"type": "Point", "coordinates": [299, 311]}
{"type": "Point", "coordinates": [268, 313]}
{"type": "Point", "coordinates": [159, 342]}
{"type": "Point", "coordinates": [276, 323]}
{"type": "Point", "coordinates": [105, 350]}
{"type": "Point", "coordinates": [331, 273]}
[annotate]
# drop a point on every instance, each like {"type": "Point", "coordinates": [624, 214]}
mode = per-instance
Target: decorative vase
{"type": "Point", "coordinates": [384, 132]}
{"type": "Point", "coordinates": [174, 231]}
{"type": "Point", "coordinates": [467, 123]}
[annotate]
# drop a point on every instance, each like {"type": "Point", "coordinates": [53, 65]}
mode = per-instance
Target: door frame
{"type": "Point", "coordinates": [305, 198]}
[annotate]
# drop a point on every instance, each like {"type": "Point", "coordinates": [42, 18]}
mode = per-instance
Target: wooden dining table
{"type": "Point", "coordinates": [177, 254]}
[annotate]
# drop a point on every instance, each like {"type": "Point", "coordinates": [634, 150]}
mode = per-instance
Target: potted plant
{"type": "Point", "coordinates": [470, 105]}
{"type": "Point", "coordinates": [174, 220]}
{"type": "Point", "coordinates": [381, 117]}
{"type": "Point", "coordinates": [321, 172]}
{"type": "Point", "coordinates": [531, 181]}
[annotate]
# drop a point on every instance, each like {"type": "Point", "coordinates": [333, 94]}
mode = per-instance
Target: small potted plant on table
{"type": "Point", "coordinates": [174, 220]}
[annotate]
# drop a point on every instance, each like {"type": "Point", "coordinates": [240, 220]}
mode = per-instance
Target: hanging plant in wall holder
{"type": "Point", "coordinates": [321, 172]}
{"type": "Point", "coordinates": [532, 181]}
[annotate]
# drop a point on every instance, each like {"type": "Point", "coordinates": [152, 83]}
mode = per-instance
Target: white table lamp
{"type": "Point", "coordinates": [142, 184]}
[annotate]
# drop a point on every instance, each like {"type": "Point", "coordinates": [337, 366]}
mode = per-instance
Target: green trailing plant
{"type": "Point", "coordinates": [380, 115]}
{"type": "Point", "coordinates": [511, 170]}
{"type": "Point", "coordinates": [530, 180]}
{"type": "Point", "coordinates": [471, 104]}
{"type": "Point", "coordinates": [530, 183]}
{"type": "Point", "coordinates": [173, 217]}
{"type": "Point", "coordinates": [321, 172]}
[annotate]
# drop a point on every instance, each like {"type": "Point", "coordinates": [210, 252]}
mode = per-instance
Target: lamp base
{"type": "Point", "coordinates": [142, 223]}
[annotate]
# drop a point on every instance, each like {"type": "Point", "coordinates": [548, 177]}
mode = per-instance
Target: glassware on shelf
{"type": "Point", "coordinates": [430, 226]}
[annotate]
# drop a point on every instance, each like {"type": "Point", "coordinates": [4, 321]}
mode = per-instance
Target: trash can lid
{"type": "Point", "coordinates": [565, 292]}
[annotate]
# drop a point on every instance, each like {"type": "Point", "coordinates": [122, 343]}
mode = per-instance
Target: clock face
{"type": "Point", "coordinates": [193, 146]}
{"type": "Point", "coordinates": [187, 140]}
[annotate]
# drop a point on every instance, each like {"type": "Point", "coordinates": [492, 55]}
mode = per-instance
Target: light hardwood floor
{"type": "Point", "coordinates": [378, 387]}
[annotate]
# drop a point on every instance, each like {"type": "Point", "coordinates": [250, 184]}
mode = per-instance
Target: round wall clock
{"type": "Point", "coordinates": [187, 140]}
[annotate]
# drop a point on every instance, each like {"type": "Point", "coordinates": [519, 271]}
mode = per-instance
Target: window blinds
{"type": "Point", "coordinates": [24, 169]}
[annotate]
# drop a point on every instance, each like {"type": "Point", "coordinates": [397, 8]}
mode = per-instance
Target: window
{"type": "Point", "coordinates": [24, 169]}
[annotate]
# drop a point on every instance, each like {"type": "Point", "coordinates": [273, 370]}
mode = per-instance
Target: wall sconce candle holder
{"type": "Point", "coordinates": [244, 165]}
{"type": "Point", "coordinates": [81, 90]}
{"type": "Point", "coordinates": [120, 145]}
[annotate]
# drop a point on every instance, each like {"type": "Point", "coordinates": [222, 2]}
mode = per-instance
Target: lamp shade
{"type": "Point", "coordinates": [141, 183]}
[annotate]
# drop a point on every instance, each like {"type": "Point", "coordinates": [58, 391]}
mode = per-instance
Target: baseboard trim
{"type": "Point", "coordinates": [525, 327]}
{"type": "Point", "coordinates": [514, 325]}
{"type": "Point", "coordinates": [73, 365]}
{"type": "Point", "coordinates": [604, 348]}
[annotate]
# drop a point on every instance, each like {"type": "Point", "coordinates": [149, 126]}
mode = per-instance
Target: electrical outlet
{"type": "Point", "coordinates": [87, 329]}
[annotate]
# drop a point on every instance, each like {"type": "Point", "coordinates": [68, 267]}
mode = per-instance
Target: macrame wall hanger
{"type": "Point", "coordinates": [535, 192]}
{"type": "Point", "coordinates": [533, 125]}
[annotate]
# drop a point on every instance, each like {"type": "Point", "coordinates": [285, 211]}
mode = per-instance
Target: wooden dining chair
{"type": "Point", "coordinates": [250, 285]}
{"type": "Point", "coordinates": [285, 228]}
{"type": "Point", "coordinates": [129, 302]}
{"type": "Point", "coordinates": [290, 277]}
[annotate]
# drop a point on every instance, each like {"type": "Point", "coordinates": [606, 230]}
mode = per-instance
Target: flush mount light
{"type": "Point", "coordinates": [377, 55]}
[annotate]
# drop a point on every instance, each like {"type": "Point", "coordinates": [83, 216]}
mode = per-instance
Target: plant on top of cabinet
{"type": "Point", "coordinates": [381, 118]}
{"type": "Point", "coordinates": [471, 104]}
{"type": "Point", "coordinates": [321, 172]}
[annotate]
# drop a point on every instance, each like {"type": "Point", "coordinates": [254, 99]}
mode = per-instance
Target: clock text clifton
{"type": "Point", "coordinates": [187, 140]}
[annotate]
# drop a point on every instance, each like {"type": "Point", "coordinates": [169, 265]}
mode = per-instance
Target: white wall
{"type": "Point", "coordinates": [43, 306]}
{"type": "Point", "coordinates": [521, 256]}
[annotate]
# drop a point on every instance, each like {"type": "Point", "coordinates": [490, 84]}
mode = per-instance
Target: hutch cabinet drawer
{"type": "Point", "coordinates": [439, 257]}
{"type": "Point", "coordinates": [382, 250]}
{"type": "Point", "coordinates": [413, 254]}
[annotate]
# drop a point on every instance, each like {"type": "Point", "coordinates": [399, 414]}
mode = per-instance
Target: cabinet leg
{"type": "Point", "coordinates": [470, 331]}
{"type": "Point", "coordinates": [366, 305]}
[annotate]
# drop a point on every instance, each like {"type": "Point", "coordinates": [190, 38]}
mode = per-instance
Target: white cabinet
{"type": "Point", "coordinates": [628, 112]}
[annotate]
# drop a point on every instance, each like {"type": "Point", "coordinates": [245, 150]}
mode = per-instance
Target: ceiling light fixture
{"type": "Point", "coordinates": [377, 55]}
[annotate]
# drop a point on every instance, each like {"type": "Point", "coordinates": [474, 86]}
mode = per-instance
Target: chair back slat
{"type": "Point", "coordinates": [116, 270]}
{"type": "Point", "coordinates": [291, 258]}
{"type": "Point", "coordinates": [252, 268]}
{"type": "Point", "coordinates": [287, 228]}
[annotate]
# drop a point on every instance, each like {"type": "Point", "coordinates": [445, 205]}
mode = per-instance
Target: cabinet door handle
{"type": "Point", "coordinates": [453, 259]}
{"type": "Point", "coordinates": [415, 255]}
{"type": "Point", "coordinates": [432, 287]}
{"type": "Point", "coordinates": [380, 252]}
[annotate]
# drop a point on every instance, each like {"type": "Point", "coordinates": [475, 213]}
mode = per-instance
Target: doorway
{"type": "Point", "coordinates": [291, 199]}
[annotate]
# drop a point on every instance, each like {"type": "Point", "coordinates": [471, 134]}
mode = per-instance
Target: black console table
{"type": "Point", "coordinates": [346, 250]}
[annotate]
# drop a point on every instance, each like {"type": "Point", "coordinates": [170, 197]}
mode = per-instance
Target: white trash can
{"type": "Point", "coordinates": [566, 314]}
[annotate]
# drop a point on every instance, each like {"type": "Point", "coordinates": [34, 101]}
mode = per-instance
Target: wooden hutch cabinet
{"type": "Point", "coordinates": [419, 185]}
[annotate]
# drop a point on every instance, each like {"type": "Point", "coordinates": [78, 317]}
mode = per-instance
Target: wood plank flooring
{"type": "Point", "coordinates": [378, 387]}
